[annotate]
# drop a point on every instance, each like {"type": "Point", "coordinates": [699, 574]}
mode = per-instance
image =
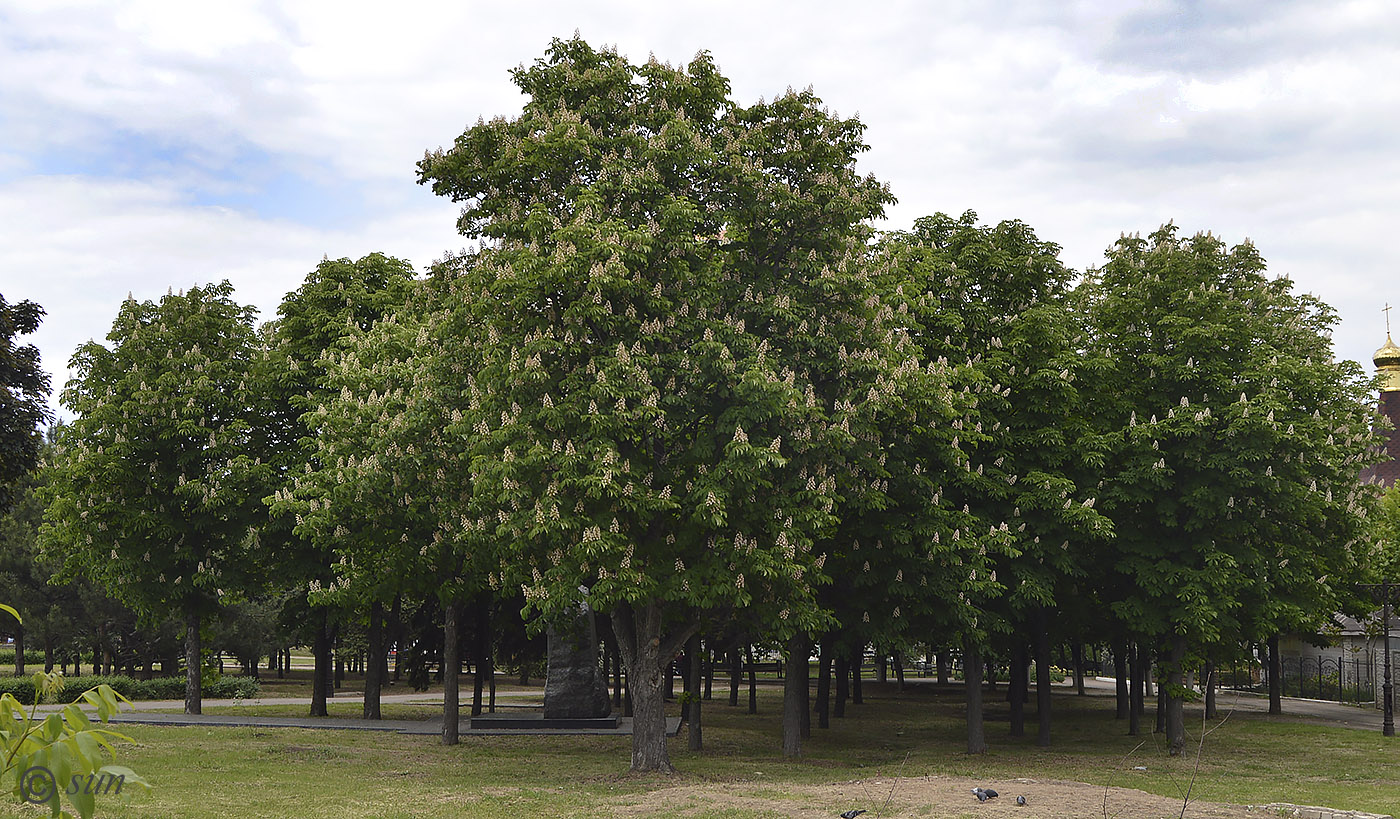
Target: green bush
{"type": "Point", "coordinates": [7, 656]}
{"type": "Point", "coordinates": [160, 688]}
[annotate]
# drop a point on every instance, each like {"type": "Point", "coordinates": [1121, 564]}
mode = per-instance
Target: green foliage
{"type": "Point", "coordinates": [24, 388]}
{"type": "Point", "coordinates": [1235, 443]}
{"type": "Point", "coordinates": [65, 744]}
{"type": "Point", "coordinates": [159, 688]}
{"type": "Point", "coordinates": [667, 332]}
{"type": "Point", "coordinates": [155, 483]}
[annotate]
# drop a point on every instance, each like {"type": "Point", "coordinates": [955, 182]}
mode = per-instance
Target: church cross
{"type": "Point", "coordinates": [1386, 310]}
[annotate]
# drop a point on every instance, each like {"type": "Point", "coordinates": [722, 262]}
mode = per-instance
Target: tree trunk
{"type": "Point", "coordinates": [1173, 691]}
{"type": "Point", "coordinates": [843, 683]}
{"type": "Point", "coordinates": [941, 665]}
{"type": "Point", "coordinates": [824, 685]}
{"type": "Point", "coordinates": [753, 679]}
{"type": "Point", "coordinates": [321, 661]}
{"type": "Point", "coordinates": [647, 660]}
{"type": "Point", "coordinates": [795, 694]}
{"type": "Point", "coordinates": [1077, 651]}
{"type": "Point", "coordinates": [736, 675]}
{"type": "Point", "coordinates": [899, 670]}
{"type": "Point", "coordinates": [1135, 688]}
{"type": "Point", "coordinates": [1210, 689]}
{"type": "Point", "coordinates": [617, 672]}
{"type": "Point", "coordinates": [1016, 692]}
{"type": "Point", "coordinates": [374, 669]}
{"type": "Point", "coordinates": [882, 669]}
{"type": "Point", "coordinates": [697, 664]}
{"type": "Point", "coordinates": [1161, 701]}
{"type": "Point", "coordinates": [972, 681]}
{"type": "Point", "coordinates": [48, 651]}
{"type": "Point", "coordinates": [1275, 678]}
{"type": "Point", "coordinates": [857, 696]}
{"type": "Point", "coordinates": [709, 660]}
{"type": "Point", "coordinates": [332, 636]}
{"type": "Point", "coordinates": [451, 672]}
{"type": "Point", "coordinates": [19, 650]}
{"type": "Point", "coordinates": [1042, 680]}
{"type": "Point", "coordinates": [396, 633]}
{"type": "Point", "coordinates": [481, 651]}
{"type": "Point", "coordinates": [1120, 679]}
{"type": "Point", "coordinates": [193, 664]}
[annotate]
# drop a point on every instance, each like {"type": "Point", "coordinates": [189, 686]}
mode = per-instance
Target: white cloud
{"type": "Point", "coordinates": [1271, 120]}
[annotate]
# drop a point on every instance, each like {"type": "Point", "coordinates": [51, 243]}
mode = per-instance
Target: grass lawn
{"type": "Point", "coordinates": [1250, 759]}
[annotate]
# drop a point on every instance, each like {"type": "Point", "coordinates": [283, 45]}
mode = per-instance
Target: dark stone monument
{"type": "Point", "coordinates": [574, 688]}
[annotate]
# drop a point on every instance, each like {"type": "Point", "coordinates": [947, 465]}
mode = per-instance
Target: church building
{"type": "Point", "coordinates": [1387, 360]}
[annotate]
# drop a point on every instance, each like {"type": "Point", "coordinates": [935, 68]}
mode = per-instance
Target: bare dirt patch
{"type": "Point", "coordinates": [934, 797]}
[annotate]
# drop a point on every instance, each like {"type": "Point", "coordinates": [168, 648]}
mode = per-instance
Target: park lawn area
{"type": "Point", "coordinates": [1249, 759]}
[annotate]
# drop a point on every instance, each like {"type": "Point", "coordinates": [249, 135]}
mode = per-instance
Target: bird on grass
{"type": "Point", "coordinates": [983, 794]}
{"type": "Point", "coordinates": [851, 814]}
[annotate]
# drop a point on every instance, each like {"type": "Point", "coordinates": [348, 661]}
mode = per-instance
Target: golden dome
{"type": "Point", "coordinates": [1388, 355]}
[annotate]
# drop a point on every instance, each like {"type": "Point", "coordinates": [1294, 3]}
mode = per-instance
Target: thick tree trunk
{"type": "Point", "coordinates": [1120, 679]}
{"type": "Point", "coordinates": [1211, 675]}
{"type": "Point", "coordinates": [451, 674]}
{"type": "Point", "coordinates": [882, 669]}
{"type": "Point", "coordinates": [1016, 689]}
{"type": "Point", "coordinates": [857, 695]}
{"type": "Point", "coordinates": [941, 664]}
{"type": "Point", "coordinates": [824, 685]}
{"type": "Point", "coordinates": [1042, 681]}
{"type": "Point", "coordinates": [48, 651]}
{"type": "Point", "coordinates": [1275, 678]}
{"type": "Point", "coordinates": [697, 663]}
{"type": "Point", "coordinates": [647, 659]}
{"type": "Point", "coordinates": [193, 664]}
{"type": "Point", "coordinates": [374, 669]}
{"type": "Point", "coordinates": [972, 681]}
{"type": "Point", "coordinates": [321, 661]}
{"type": "Point", "coordinates": [843, 678]}
{"type": "Point", "coordinates": [795, 694]}
{"type": "Point", "coordinates": [753, 679]}
{"type": "Point", "coordinates": [1173, 690]}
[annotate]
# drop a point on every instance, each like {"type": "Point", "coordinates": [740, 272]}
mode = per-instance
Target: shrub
{"type": "Point", "coordinates": [160, 688]}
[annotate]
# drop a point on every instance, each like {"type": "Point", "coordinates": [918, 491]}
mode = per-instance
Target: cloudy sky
{"type": "Point", "coordinates": [147, 145]}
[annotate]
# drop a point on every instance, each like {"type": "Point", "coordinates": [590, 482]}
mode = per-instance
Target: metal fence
{"type": "Point", "coordinates": [1343, 679]}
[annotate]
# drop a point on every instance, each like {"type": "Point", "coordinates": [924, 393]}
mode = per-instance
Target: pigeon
{"type": "Point", "coordinates": [983, 794]}
{"type": "Point", "coordinates": [1021, 800]}
{"type": "Point", "coordinates": [851, 814]}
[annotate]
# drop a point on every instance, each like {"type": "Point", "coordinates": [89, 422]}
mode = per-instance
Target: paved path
{"type": "Point", "coordinates": [426, 727]}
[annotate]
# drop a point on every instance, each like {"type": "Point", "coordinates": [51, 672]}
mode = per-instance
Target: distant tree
{"type": "Point", "coordinates": [655, 352]}
{"type": "Point", "coordinates": [156, 485]}
{"type": "Point", "coordinates": [24, 389]}
{"type": "Point", "coordinates": [1234, 448]}
{"type": "Point", "coordinates": [992, 303]}
{"type": "Point", "coordinates": [339, 301]}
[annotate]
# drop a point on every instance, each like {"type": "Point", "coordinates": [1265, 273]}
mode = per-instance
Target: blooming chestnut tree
{"type": "Point", "coordinates": [157, 482]}
{"type": "Point", "coordinates": [664, 352]}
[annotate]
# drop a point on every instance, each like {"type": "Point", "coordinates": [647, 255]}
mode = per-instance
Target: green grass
{"type": "Point", "coordinates": [215, 772]}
